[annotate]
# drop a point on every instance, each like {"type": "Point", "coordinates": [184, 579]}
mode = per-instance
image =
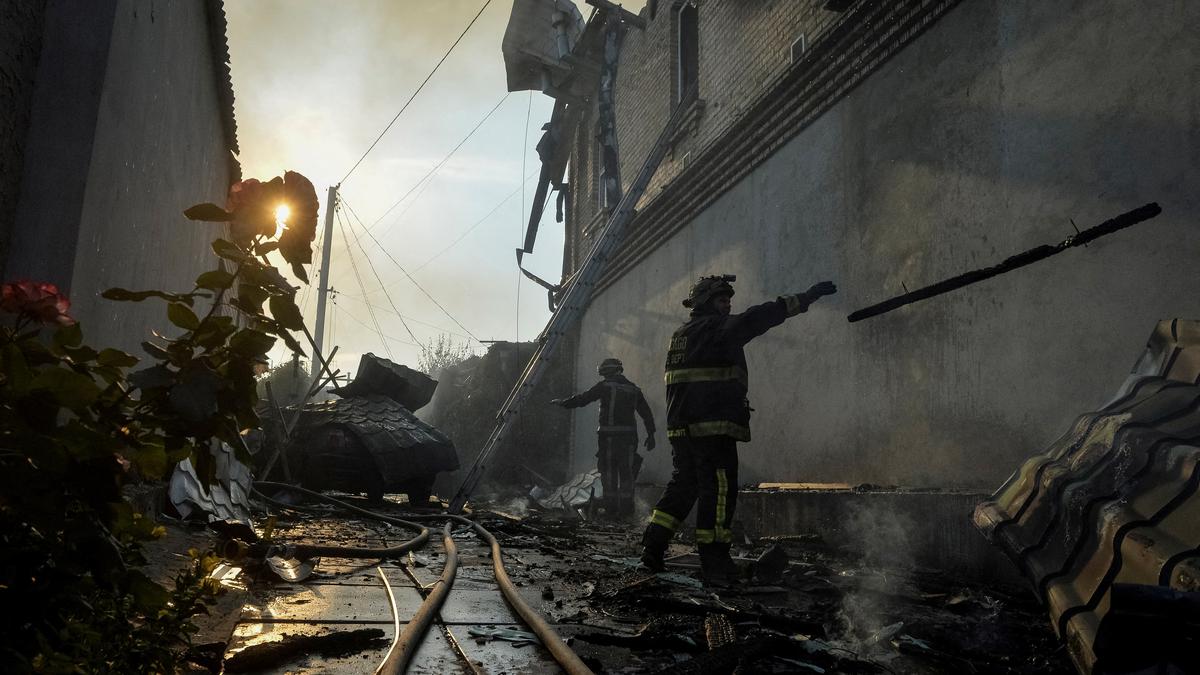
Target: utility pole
{"type": "Point", "coordinates": [323, 288]}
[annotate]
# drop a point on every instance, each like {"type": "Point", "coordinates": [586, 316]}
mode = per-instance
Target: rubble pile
{"type": "Point", "coordinates": [365, 441]}
{"type": "Point", "coordinates": [804, 606]}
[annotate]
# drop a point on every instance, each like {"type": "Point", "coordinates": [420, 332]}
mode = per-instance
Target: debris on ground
{"type": "Point", "coordinates": [275, 653]}
{"type": "Point", "coordinates": [826, 610]}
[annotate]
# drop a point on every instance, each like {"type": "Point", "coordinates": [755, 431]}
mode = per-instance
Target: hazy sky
{"type": "Point", "coordinates": [315, 82]}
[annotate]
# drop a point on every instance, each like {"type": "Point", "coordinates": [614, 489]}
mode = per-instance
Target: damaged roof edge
{"type": "Point", "coordinates": [217, 33]}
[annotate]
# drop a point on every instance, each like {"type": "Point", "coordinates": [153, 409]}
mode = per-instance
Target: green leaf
{"type": "Point", "coordinates": [82, 354]}
{"type": "Point", "coordinates": [15, 368]}
{"type": "Point", "coordinates": [291, 342]}
{"type": "Point", "coordinates": [153, 377]}
{"type": "Point", "coordinates": [195, 397]}
{"type": "Point", "coordinates": [285, 311]}
{"type": "Point", "coordinates": [208, 212]}
{"type": "Point", "coordinates": [117, 358]}
{"type": "Point", "coordinates": [213, 332]}
{"type": "Point", "coordinates": [109, 374]}
{"type": "Point", "coordinates": [125, 295]}
{"type": "Point", "coordinates": [71, 389]}
{"type": "Point", "coordinates": [181, 315]}
{"type": "Point", "coordinates": [177, 455]}
{"type": "Point", "coordinates": [151, 460]}
{"type": "Point", "coordinates": [251, 298]}
{"type": "Point", "coordinates": [298, 270]}
{"type": "Point", "coordinates": [68, 336]}
{"type": "Point", "coordinates": [250, 342]}
{"type": "Point", "coordinates": [230, 251]}
{"type": "Point", "coordinates": [156, 351]}
{"type": "Point", "coordinates": [215, 280]}
{"type": "Point", "coordinates": [149, 597]}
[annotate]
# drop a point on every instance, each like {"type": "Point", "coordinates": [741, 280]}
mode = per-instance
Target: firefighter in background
{"type": "Point", "coordinates": [707, 414]}
{"type": "Point", "coordinates": [617, 433]}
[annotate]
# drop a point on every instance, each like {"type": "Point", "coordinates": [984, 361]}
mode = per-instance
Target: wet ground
{"type": "Point", "coordinates": [817, 611]}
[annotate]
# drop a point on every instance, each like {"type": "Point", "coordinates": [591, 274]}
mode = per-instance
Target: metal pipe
{"type": "Point", "coordinates": [1033, 255]}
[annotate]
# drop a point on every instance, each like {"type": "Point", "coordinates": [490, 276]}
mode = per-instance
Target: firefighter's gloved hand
{"type": "Point", "coordinates": [557, 401]}
{"type": "Point", "coordinates": [649, 443]}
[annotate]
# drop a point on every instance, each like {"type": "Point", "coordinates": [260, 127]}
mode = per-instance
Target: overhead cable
{"type": "Point", "coordinates": [364, 325]}
{"type": "Point", "coordinates": [410, 277]}
{"type": "Point", "coordinates": [414, 94]}
{"type": "Point", "coordinates": [439, 164]}
{"type": "Point", "coordinates": [462, 236]}
{"type": "Point", "coordinates": [410, 319]}
{"type": "Point", "coordinates": [472, 228]}
{"type": "Point", "coordinates": [350, 254]}
{"type": "Point", "coordinates": [387, 295]}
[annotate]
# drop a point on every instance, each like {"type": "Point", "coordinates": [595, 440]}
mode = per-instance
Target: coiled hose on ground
{"type": "Point", "coordinates": [406, 643]}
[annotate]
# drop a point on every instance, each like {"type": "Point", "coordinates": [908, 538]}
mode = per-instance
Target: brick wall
{"type": "Point", "coordinates": [744, 50]}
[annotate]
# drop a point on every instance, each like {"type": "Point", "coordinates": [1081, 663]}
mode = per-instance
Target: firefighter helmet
{"type": "Point", "coordinates": [610, 366]}
{"type": "Point", "coordinates": [708, 288]}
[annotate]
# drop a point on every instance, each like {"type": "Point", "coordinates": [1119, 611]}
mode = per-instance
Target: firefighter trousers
{"type": "Point", "coordinates": [615, 461]}
{"type": "Point", "coordinates": [705, 470]}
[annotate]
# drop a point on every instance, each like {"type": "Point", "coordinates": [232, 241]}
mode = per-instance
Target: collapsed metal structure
{"type": "Point", "coordinates": [1105, 523]}
{"type": "Point", "coordinates": [574, 296]}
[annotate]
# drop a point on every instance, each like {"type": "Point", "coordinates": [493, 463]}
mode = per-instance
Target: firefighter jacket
{"type": "Point", "coordinates": [706, 375]}
{"type": "Point", "coordinates": [619, 399]}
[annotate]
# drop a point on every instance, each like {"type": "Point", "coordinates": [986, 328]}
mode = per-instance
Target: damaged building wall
{"type": "Point", "coordinates": [464, 408]}
{"type": "Point", "coordinates": [132, 122]}
{"type": "Point", "coordinates": [756, 48]}
{"type": "Point", "coordinates": [978, 140]}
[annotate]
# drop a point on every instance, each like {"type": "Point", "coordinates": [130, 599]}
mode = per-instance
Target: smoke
{"type": "Point", "coordinates": [880, 536]}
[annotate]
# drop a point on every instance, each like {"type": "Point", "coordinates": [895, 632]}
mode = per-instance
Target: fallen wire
{"type": "Point", "coordinates": [1029, 257]}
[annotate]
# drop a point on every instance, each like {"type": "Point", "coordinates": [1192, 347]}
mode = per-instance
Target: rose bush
{"type": "Point", "coordinates": [38, 302]}
{"type": "Point", "coordinates": [77, 422]}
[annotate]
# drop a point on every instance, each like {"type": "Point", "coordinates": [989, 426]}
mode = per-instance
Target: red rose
{"type": "Point", "coordinates": [38, 301]}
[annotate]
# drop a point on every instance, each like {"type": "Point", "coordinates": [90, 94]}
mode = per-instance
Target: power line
{"type": "Point", "coordinates": [410, 319]}
{"type": "Point", "coordinates": [414, 94]}
{"type": "Point", "coordinates": [410, 277]}
{"type": "Point", "coordinates": [471, 229]}
{"type": "Point", "coordinates": [350, 254]}
{"type": "Point", "coordinates": [521, 218]}
{"type": "Point", "coordinates": [385, 293]}
{"type": "Point", "coordinates": [364, 325]}
{"type": "Point", "coordinates": [439, 164]}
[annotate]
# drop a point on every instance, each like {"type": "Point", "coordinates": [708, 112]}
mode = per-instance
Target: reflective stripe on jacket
{"type": "Point", "coordinates": [706, 374]}
{"type": "Point", "coordinates": [619, 400]}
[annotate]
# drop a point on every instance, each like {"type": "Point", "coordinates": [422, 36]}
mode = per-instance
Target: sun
{"type": "Point", "coordinates": [282, 212]}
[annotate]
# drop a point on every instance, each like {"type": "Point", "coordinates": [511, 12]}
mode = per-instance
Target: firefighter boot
{"type": "Point", "coordinates": [716, 567]}
{"type": "Point", "coordinates": [654, 546]}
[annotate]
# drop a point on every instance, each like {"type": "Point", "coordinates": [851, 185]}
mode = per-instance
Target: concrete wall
{"type": "Point", "coordinates": [58, 149]}
{"type": "Point", "coordinates": [20, 47]}
{"type": "Point", "coordinates": [146, 143]}
{"type": "Point", "coordinates": [978, 141]}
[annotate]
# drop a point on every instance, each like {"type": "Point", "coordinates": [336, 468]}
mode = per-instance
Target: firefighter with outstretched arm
{"type": "Point", "coordinates": [707, 414]}
{"type": "Point", "coordinates": [616, 434]}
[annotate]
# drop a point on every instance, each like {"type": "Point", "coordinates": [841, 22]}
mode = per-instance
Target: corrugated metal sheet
{"type": "Point", "coordinates": [401, 445]}
{"type": "Point", "coordinates": [1113, 501]}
